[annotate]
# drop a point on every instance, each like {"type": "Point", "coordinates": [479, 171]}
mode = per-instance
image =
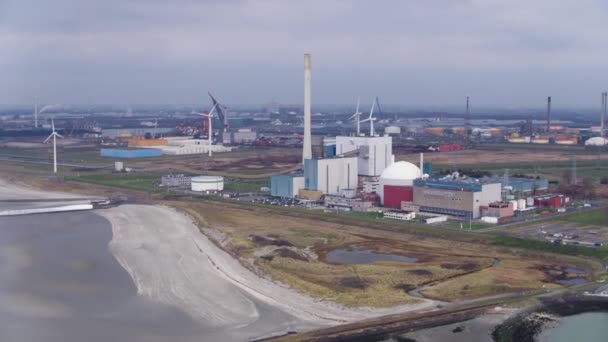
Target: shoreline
{"type": "Point", "coordinates": [194, 252]}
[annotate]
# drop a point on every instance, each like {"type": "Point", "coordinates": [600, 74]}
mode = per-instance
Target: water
{"type": "Point", "coordinates": [59, 282]}
{"type": "Point", "coordinates": [588, 327]}
{"type": "Point", "coordinates": [364, 256]}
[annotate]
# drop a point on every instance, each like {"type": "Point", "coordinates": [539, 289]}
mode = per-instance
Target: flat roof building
{"type": "Point", "coordinates": [374, 153]}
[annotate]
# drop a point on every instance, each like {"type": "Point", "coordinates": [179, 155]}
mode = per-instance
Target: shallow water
{"type": "Point", "coordinates": [588, 327]}
{"type": "Point", "coordinates": [364, 256]}
{"type": "Point", "coordinates": [59, 282]}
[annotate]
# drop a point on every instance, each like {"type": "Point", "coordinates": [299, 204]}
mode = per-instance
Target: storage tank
{"type": "Point", "coordinates": [495, 132]}
{"type": "Point", "coordinates": [434, 130]}
{"type": "Point", "coordinates": [459, 130]}
{"type": "Point", "coordinates": [540, 140]}
{"type": "Point", "coordinates": [514, 202]}
{"type": "Point", "coordinates": [396, 130]}
{"type": "Point", "coordinates": [207, 183]}
{"type": "Point", "coordinates": [565, 140]}
{"type": "Point", "coordinates": [521, 204]}
{"type": "Point", "coordinates": [530, 201]}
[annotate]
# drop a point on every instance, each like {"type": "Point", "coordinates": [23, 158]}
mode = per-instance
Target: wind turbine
{"type": "Point", "coordinates": [210, 116]}
{"type": "Point", "coordinates": [54, 135]}
{"type": "Point", "coordinates": [357, 116]}
{"type": "Point", "coordinates": [371, 119]}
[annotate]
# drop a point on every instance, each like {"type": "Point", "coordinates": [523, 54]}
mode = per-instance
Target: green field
{"type": "Point", "coordinates": [597, 218]}
{"type": "Point", "coordinates": [134, 181]}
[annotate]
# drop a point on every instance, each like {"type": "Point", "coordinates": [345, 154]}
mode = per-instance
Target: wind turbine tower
{"type": "Point", "coordinates": [371, 119]}
{"type": "Point", "coordinates": [209, 116]}
{"type": "Point", "coordinates": [54, 135]}
{"type": "Point", "coordinates": [357, 116]}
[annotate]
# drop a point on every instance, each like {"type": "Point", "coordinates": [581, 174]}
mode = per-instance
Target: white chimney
{"type": "Point", "coordinates": [307, 148]}
{"type": "Point", "coordinates": [421, 164]}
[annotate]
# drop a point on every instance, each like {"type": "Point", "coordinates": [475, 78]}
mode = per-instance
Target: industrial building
{"type": "Point", "coordinates": [175, 180]}
{"type": "Point", "coordinates": [242, 136]}
{"type": "Point", "coordinates": [137, 153]}
{"type": "Point", "coordinates": [333, 176]}
{"type": "Point", "coordinates": [286, 186]}
{"type": "Point", "coordinates": [374, 154]}
{"type": "Point", "coordinates": [457, 197]}
{"type": "Point", "coordinates": [348, 204]}
{"type": "Point", "coordinates": [519, 184]}
{"type": "Point", "coordinates": [399, 174]}
{"type": "Point", "coordinates": [207, 184]}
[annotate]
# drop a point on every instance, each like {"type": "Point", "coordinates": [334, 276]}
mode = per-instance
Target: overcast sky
{"type": "Point", "coordinates": [411, 52]}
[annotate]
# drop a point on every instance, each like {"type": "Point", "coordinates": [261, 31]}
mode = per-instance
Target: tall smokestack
{"type": "Point", "coordinates": [548, 114]}
{"type": "Point", "coordinates": [467, 124]}
{"type": "Point", "coordinates": [36, 112]}
{"type": "Point", "coordinates": [307, 148]}
{"type": "Point", "coordinates": [603, 113]}
{"type": "Point", "coordinates": [421, 164]}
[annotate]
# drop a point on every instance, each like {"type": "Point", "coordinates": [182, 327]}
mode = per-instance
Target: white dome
{"type": "Point", "coordinates": [401, 170]}
{"type": "Point", "coordinates": [596, 141]}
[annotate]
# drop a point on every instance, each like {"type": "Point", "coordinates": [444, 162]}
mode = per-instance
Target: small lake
{"type": "Point", "coordinates": [588, 327]}
{"type": "Point", "coordinates": [364, 256]}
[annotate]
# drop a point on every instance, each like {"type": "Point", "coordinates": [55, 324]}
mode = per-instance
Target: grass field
{"type": "Point", "coordinates": [595, 218]}
{"type": "Point", "coordinates": [133, 181]}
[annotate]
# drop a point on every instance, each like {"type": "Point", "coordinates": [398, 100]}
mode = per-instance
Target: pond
{"type": "Point", "coordinates": [588, 327]}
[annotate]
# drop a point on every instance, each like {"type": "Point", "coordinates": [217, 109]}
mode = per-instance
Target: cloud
{"type": "Point", "coordinates": [89, 38]}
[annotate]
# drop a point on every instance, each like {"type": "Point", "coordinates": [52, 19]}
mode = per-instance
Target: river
{"type": "Point", "coordinates": [587, 327]}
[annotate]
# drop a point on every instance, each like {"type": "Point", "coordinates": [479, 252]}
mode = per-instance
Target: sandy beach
{"type": "Point", "coordinates": [173, 263]}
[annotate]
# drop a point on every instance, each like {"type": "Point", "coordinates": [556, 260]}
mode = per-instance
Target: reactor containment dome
{"type": "Point", "coordinates": [207, 183]}
{"type": "Point", "coordinates": [401, 173]}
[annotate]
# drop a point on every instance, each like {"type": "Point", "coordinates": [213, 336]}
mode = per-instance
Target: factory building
{"type": "Point", "coordinates": [399, 174]}
{"type": "Point", "coordinates": [458, 197]}
{"type": "Point", "coordinates": [519, 184]}
{"type": "Point", "coordinates": [331, 176]}
{"type": "Point", "coordinates": [175, 180]}
{"type": "Point", "coordinates": [243, 136]}
{"type": "Point", "coordinates": [286, 186]}
{"type": "Point", "coordinates": [374, 154]}
{"type": "Point", "coordinates": [348, 204]}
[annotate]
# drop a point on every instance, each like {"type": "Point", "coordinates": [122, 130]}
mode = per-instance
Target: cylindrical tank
{"type": "Point", "coordinates": [459, 130]}
{"type": "Point", "coordinates": [392, 130]}
{"type": "Point", "coordinates": [521, 204]}
{"type": "Point", "coordinates": [207, 183]}
{"type": "Point", "coordinates": [514, 202]}
{"type": "Point", "coordinates": [495, 132]}
{"type": "Point", "coordinates": [434, 130]}
{"type": "Point", "coordinates": [530, 201]}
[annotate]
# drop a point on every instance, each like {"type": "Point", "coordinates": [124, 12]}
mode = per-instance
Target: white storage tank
{"type": "Point", "coordinates": [530, 201]}
{"type": "Point", "coordinates": [395, 130]}
{"type": "Point", "coordinates": [207, 183]}
{"type": "Point", "coordinates": [514, 202]}
{"type": "Point", "coordinates": [521, 204]}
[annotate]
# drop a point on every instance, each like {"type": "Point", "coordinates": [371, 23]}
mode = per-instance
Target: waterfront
{"type": "Point", "coordinates": [61, 283]}
{"type": "Point", "coordinates": [588, 327]}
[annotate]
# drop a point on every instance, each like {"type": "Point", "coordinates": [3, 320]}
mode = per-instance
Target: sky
{"type": "Point", "coordinates": [408, 52]}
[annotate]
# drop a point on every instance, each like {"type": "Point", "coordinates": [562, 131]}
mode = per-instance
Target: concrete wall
{"type": "Point", "coordinates": [375, 153]}
{"type": "Point", "coordinates": [455, 202]}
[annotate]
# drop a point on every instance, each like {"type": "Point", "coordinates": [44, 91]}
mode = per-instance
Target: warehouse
{"type": "Point", "coordinates": [139, 153]}
{"type": "Point", "coordinates": [207, 184]}
{"type": "Point", "coordinates": [520, 184]}
{"type": "Point", "coordinates": [286, 186]}
{"type": "Point", "coordinates": [374, 153]}
{"type": "Point", "coordinates": [331, 176]}
{"type": "Point", "coordinates": [458, 197]}
{"type": "Point", "coordinates": [175, 180]}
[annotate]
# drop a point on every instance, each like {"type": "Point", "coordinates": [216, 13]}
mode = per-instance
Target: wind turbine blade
{"type": "Point", "coordinates": [358, 102]}
{"type": "Point", "coordinates": [53, 124]}
{"type": "Point", "coordinates": [47, 139]}
{"type": "Point", "coordinates": [59, 135]}
{"type": "Point", "coordinates": [371, 112]}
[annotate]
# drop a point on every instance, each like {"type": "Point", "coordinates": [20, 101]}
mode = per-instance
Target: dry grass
{"type": "Point", "coordinates": [456, 270]}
